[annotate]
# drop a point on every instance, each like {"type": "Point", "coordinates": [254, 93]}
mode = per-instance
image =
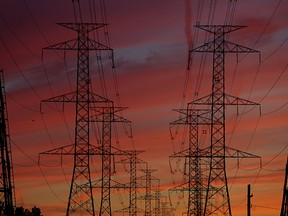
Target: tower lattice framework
{"type": "Point", "coordinates": [7, 192]}
{"type": "Point", "coordinates": [148, 197]}
{"type": "Point", "coordinates": [133, 185]}
{"type": "Point", "coordinates": [81, 196]}
{"type": "Point", "coordinates": [108, 115]}
{"type": "Point", "coordinates": [217, 199]}
{"type": "Point", "coordinates": [193, 118]}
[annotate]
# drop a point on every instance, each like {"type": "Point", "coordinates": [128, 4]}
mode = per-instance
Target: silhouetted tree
{"type": "Point", "coordinates": [35, 211]}
{"type": "Point", "coordinates": [20, 211]}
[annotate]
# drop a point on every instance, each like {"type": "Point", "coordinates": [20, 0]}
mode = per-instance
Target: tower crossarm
{"type": "Point", "coordinates": [70, 150]}
{"type": "Point", "coordinates": [232, 100]}
{"type": "Point", "coordinates": [99, 111]}
{"type": "Point", "coordinates": [229, 47]}
{"type": "Point", "coordinates": [213, 29]}
{"type": "Point", "coordinates": [181, 187]}
{"type": "Point", "coordinates": [229, 153]}
{"type": "Point", "coordinates": [201, 114]}
{"type": "Point", "coordinates": [229, 100]}
{"type": "Point", "coordinates": [82, 29]}
{"type": "Point", "coordinates": [234, 153]}
{"type": "Point", "coordinates": [127, 210]}
{"type": "Point", "coordinates": [72, 97]}
{"type": "Point", "coordinates": [185, 187]}
{"type": "Point", "coordinates": [79, 26]}
{"type": "Point", "coordinates": [192, 117]}
{"type": "Point", "coordinates": [113, 184]}
{"type": "Point", "coordinates": [183, 153]}
{"type": "Point", "coordinates": [201, 153]}
{"type": "Point", "coordinates": [73, 45]}
{"type": "Point", "coordinates": [129, 154]}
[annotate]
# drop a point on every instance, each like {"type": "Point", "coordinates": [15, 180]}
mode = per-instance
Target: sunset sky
{"type": "Point", "coordinates": [151, 40]}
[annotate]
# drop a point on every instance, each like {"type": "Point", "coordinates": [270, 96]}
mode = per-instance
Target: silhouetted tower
{"type": "Point", "coordinates": [7, 192]}
{"type": "Point", "coordinates": [217, 197]}
{"type": "Point", "coordinates": [193, 118]}
{"type": "Point", "coordinates": [166, 211]}
{"type": "Point", "coordinates": [148, 197]}
{"type": "Point", "coordinates": [157, 199]}
{"type": "Point", "coordinates": [284, 207]}
{"type": "Point", "coordinates": [132, 160]}
{"type": "Point", "coordinates": [81, 197]}
{"type": "Point", "coordinates": [107, 115]}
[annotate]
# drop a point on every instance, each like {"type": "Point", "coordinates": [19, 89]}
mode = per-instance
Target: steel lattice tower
{"type": "Point", "coordinates": [217, 196]}
{"type": "Point", "coordinates": [81, 197]}
{"type": "Point", "coordinates": [133, 185]}
{"type": "Point", "coordinates": [148, 197]}
{"type": "Point", "coordinates": [193, 118]}
{"type": "Point", "coordinates": [166, 211]}
{"type": "Point", "coordinates": [7, 192]}
{"type": "Point", "coordinates": [108, 115]}
{"type": "Point", "coordinates": [284, 206]}
{"type": "Point", "coordinates": [157, 200]}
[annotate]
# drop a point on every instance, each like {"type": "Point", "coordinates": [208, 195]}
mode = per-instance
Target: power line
{"type": "Point", "coordinates": [50, 187]}
{"type": "Point", "coordinates": [265, 28]}
{"type": "Point", "coordinates": [21, 104]}
{"type": "Point", "coordinates": [274, 84]}
{"type": "Point", "coordinates": [34, 21]}
{"type": "Point", "coordinates": [19, 69]}
{"type": "Point", "coordinates": [276, 50]}
{"type": "Point", "coordinates": [18, 38]}
{"type": "Point", "coordinates": [282, 150]}
{"type": "Point", "coordinates": [266, 207]}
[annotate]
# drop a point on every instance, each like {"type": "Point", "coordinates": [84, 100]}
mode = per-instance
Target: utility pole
{"type": "Point", "coordinates": [217, 201]}
{"type": "Point", "coordinates": [284, 206]}
{"type": "Point", "coordinates": [7, 190]}
{"type": "Point", "coordinates": [249, 196]}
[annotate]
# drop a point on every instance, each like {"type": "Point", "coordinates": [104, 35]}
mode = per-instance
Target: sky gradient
{"type": "Point", "coordinates": [151, 40]}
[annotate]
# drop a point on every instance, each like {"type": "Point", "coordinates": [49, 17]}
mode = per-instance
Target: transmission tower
{"type": "Point", "coordinates": [284, 206]}
{"type": "Point", "coordinates": [7, 192]}
{"type": "Point", "coordinates": [107, 115]}
{"type": "Point", "coordinates": [81, 197]}
{"type": "Point", "coordinates": [132, 160]}
{"type": "Point", "coordinates": [157, 200]}
{"type": "Point", "coordinates": [166, 211]}
{"type": "Point", "coordinates": [217, 197]}
{"type": "Point", "coordinates": [148, 197]}
{"type": "Point", "coordinates": [193, 118]}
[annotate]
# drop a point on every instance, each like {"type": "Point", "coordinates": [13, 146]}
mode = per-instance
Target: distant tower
{"type": "Point", "coordinates": [148, 197]}
{"type": "Point", "coordinates": [195, 185]}
{"type": "Point", "coordinates": [284, 207]}
{"type": "Point", "coordinates": [217, 200]}
{"type": "Point", "coordinates": [7, 192]}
